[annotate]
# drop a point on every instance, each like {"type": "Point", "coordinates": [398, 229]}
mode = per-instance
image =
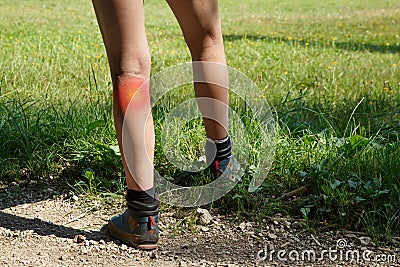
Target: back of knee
{"type": "Point", "coordinates": [210, 48]}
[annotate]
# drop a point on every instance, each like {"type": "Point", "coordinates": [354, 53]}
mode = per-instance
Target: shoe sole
{"type": "Point", "coordinates": [127, 238]}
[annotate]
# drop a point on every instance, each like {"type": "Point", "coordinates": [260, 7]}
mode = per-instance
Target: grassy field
{"type": "Point", "coordinates": [329, 69]}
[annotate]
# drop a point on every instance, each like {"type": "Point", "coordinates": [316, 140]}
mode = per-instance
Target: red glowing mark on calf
{"type": "Point", "coordinates": [133, 93]}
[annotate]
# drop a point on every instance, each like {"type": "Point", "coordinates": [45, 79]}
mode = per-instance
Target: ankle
{"type": "Point", "coordinates": [219, 149]}
{"type": "Point", "coordinates": [145, 197]}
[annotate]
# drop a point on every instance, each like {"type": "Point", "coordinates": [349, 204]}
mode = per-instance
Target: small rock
{"type": "Point", "coordinates": [242, 226]}
{"type": "Point", "coordinates": [204, 216]}
{"type": "Point", "coordinates": [365, 240]}
{"type": "Point", "coordinates": [102, 242]}
{"type": "Point", "coordinates": [204, 229]}
{"type": "Point", "coordinates": [275, 222]}
{"type": "Point", "coordinates": [153, 255]}
{"type": "Point", "coordinates": [92, 243]}
{"type": "Point", "coordinates": [272, 236]}
{"type": "Point", "coordinates": [124, 247]}
{"type": "Point", "coordinates": [79, 239]}
{"type": "Point", "coordinates": [113, 248]}
{"type": "Point", "coordinates": [74, 198]}
{"type": "Point", "coordinates": [25, 261]}
{"type": "Point", "coordinates": [296, 225]}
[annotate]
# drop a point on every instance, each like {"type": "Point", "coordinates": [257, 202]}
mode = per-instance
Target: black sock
{"type": "Point", "coordinates": [224, 148]}
{"type": "Point", "coordinates": [145, 197]}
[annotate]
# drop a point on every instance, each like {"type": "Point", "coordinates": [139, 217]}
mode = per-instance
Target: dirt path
{"type": "Point", "coordinates": [39, 227]}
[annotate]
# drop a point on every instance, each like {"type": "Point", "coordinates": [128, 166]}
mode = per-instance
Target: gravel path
{"type": "Point", "coordinates": [52, 227]}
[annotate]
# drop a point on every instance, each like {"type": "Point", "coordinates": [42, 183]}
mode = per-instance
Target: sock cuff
{"type": "Point", "coordinates": [223, 147]}
{"type": "Point", "coordinates": [147, 196]}
{"type": "Point", "coordinates": [220, 141]}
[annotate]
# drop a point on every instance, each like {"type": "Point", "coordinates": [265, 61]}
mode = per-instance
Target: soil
{"type": "Point", "coordinates": [48, 225]}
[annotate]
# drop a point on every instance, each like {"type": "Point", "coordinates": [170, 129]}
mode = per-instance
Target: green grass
{"type": "Point", "coordinates": [330, 70]}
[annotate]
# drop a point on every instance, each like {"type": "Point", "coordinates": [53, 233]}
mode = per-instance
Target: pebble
{"type": "Point", "coordinates": [153, 255]}
{"type": "Point", "coordinates": [92, 242]}
{"type": "Point", "coordinates": [24, 261]}
{"type": "Point", "coordinates": [365, 240]}
{"type": "Point", "coordinates": [296, 225]}
{"type": "Point", "coordinates": [272, 236]}
{"type": "Point", "coordinates": [205, 217]}
{"type": "Point", "coordinates": [204, 229]}
{"type": "Point", "coordinates": [79, 239]}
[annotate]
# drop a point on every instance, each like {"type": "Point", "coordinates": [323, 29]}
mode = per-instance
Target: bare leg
{"type": "Point", "coordinates": [200, 24]}
{"type": "Point", "coordinates": [122, 26]}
